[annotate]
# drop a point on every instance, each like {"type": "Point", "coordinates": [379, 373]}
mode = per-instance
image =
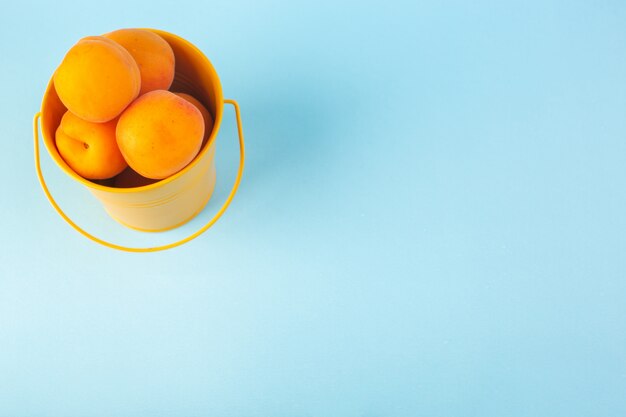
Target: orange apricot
{"type": "Point", "coordinates": [159, 134]}
{"type": "Point", "coordinates": [153, 55]}
{"type": "Point", "coordinates": [90, 149]}
{"type": "Point", "coordinates": [206, 116]}
{"type": "Point", "coordinates": [97, 79]}
{"type": "Point", "coordinates": [130, 179]}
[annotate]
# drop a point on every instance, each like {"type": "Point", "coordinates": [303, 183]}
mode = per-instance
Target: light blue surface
{"type": "Point", "coordinates": [431, 221]}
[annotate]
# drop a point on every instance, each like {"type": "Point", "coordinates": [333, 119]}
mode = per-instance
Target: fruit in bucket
{"type": "Point", "coordinates": [206, 116]}
{"type": "Point", "coordinates": [97, 79]}
{"type": "Point", "coordinates": [120, 113]}
{"type": "Point", "coordinates": [159, 134]}
{"type": "Point", "coordinates": [130, 179]}
{"type": "Point", "coordinates": [153, 55]}
{"type": "Point", "coordinates": [89, 148]}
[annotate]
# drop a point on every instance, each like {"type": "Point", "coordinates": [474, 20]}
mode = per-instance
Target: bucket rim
{"type": "Point", "coordinates": [210, 142]}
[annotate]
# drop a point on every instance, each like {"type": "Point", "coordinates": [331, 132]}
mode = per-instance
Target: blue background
{"type": "Point", "coordinates": [431, 220]}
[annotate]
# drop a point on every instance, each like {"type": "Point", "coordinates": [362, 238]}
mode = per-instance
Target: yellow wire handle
{"type": "Point", "coordinates": [154, 248]}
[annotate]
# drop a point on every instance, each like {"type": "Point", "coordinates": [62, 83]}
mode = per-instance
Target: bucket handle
{"type": "Point", "coordinates": [153, 248]}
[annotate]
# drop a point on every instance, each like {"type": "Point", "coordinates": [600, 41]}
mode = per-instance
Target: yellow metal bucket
{"type": "Point", "coordinates": [170, 202]}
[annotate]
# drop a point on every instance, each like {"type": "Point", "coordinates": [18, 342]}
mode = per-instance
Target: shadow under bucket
{"type": "Point", "coordinates": [170, 202]}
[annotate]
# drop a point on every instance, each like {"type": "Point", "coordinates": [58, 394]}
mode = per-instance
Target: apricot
{"type": "Point", "coordinates": [90, 149]}
{"type": "Point", "coordinates": [97, 79]}
{"type": "Point", "coordinates": [130, 178]}
{"type": "Point", "coordinates": [153, 55]}
{"type": "Point", "coordinates": [159, 134]}
{"type": "Point", "coordinates": [206, 116]}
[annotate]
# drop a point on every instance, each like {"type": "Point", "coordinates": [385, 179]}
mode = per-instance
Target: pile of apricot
{"type": "Point", "coordinates": [121, 118]}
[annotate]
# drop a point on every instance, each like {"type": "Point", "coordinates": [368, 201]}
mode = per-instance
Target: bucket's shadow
{"type": "Point", "coordinates": [291, 135]}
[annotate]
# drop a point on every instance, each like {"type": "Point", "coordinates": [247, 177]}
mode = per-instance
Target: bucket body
{"type": "Point", "coordinates": [172, 201]}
